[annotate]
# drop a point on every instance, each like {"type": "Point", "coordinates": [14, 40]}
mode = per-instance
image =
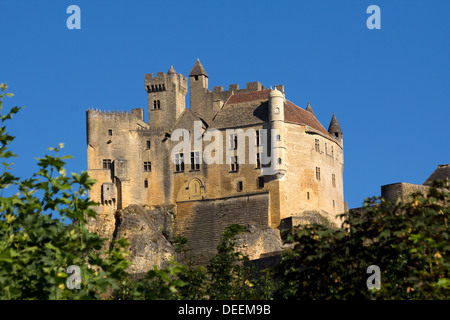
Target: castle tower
{"type": "Point", "coordinates": [276, 120]}
{"type": "Point", "coordinates": [166, 98]}
{"type": "Point", "coordinates": [198, 89]}
{"type": "Point", "coordinates": [335, 129]}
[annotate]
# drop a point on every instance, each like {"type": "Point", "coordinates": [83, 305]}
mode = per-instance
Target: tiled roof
{"type": "Point", "coordinates": [295, 114]}
{"type": "Point", "coordinates": [251, 108]}
{"type": "Point", "coordinates": [249, 96]}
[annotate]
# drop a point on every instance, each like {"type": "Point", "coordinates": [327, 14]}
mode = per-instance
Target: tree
{"type": "Point", "coordinates": [409, 242]}
{"type": "Point", "coordinates": [35, 248]}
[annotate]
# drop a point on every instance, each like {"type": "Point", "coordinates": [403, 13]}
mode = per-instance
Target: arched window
{"type": "Point", "coordinates": [154, 104]}
{"type": "Point", "coordinates": [158, 104]}
{"type": "Point", "coordinates": [195, 187]}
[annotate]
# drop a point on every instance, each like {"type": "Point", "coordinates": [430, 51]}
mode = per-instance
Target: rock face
{"type": "Point", "coordinates": [150, 232]}
{"type": "Point", "coordinates": [257, 242]}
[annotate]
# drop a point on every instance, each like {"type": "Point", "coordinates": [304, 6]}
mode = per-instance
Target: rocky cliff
{"type": "Point", "coordinates": [150, 234]}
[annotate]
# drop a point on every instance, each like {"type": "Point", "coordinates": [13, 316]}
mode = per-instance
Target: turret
{"type": "Point", "coordinates": [335, 129]}
{"type": "Point", "coordinates": [276, 120]}
{"type": "Point", "coordinates": [309, 109]}
{"type": "Point", "coordinates": [198, 89]}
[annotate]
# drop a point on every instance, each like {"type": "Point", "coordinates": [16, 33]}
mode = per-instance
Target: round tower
{"type": "Point", "coordinates": [277, 132]}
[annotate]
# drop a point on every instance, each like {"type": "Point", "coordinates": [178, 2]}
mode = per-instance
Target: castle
{"type": "Point", "coordinates": [133, 161]}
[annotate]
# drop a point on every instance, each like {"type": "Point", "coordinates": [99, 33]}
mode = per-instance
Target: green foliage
{"type": "Point", "coordinates": [409, 242]}
{"type": "Point", "coordinates": [35, 248]}
{"type": "Point", "coordinates": [227, 276]}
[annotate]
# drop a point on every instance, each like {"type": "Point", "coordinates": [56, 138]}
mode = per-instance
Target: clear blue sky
{"type": "Point", "coordinates": [389, 88]}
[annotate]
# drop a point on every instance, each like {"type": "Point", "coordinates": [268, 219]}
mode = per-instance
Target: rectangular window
{"type": "Point", "coordinates": [233, 141]}
{"type": "Point", "coordinates": [317, 145]}
{"type": "Point", "coordinates": [234, 164]}
{"type": "Point", "coordinates": [109, 132]}
{"type": "Point", "coordinates": [333, 180]}
{"type": "Point", "coordinates": [148, 144]}
{"type": "Point", "coordinates": [147, 166]}
{"type": "Point", "coordinates": [106, 163]}
{"type": "Point", "coordinates": [258, 160]}
{"type": "Point", "coordinates": [145, 183]}
{"type": "Point", "coordinates": [307, 195]}
{"type": "Point", "coordinates": [260, 182]}
{"type": "Point", "coordinates": [326, 152]}
{"type": "Point", "coordinates": [195, 160]}
{"type": "Point", "coordinates": [332, 151]}
{"type": "Point", "coordinates": [240, 186]}
{"type": "Point", "coordinates": [317, 173]}
{"type": "Point", "coordinates": [259, 137]}
{"type": "Point", "coordinates": [179, 162]}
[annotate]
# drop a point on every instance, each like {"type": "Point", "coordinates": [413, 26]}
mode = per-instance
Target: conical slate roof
{"type": "Point", "coordinates": [334, 126]}
{"type": "Point", "coordinates": [441, 173]}
{"type": "Point", "coordinates": [309, 109]}
{"type": "Point", "coordinates": [171, 70]}
{"type": "Point", "coordinates": [198, 70]}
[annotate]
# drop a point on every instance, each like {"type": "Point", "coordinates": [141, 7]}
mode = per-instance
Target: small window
{"type": "Point", "coordinates": [307, 195]}
{"type": "Point", "coordinates": [147, 166]}
{"type": "Point", "coordinates": [258, 160]}
{"type": "Point", "coordinates": [158, 104]}
{"type": "Point", "coordinates": [336, 135]}
{"type": "Point", "coordinates": [154, 104]}
{"type": "Point", "coordinates": [234, 164]}
{"type": "Point", "coordinates": [333, 180]}
{"type": "Point", "coordinates": [260, 182]}
{"type": "Point", "coordinates": [148, 88]}
{"type": "Point", "coordinates": [109, 132]}
{"type": "Point", "coordinates": [153, 88]}
{"type": "Point", "coordinates": [278, 137]}
{"type": "Point", "coordinates": [106, 163]}
{"type": "Point", "coordinates": [239, 186]}
{"type": "Point", "coordinates": [195, 160]}
{"type": "Point", "coordinates": [148, 144]}
{"type": "Point", "coordinates": [145, 183]}
{"type": "Point", "coordinates": [258, 137]}
{"type": "Point", "coordinates": [179, 162]}
{"type": "Point", "coordinates": [326, 152]}
{"type": "Point", "coordinates": [332, 151]}
{"type": "Point", "coordinates": [317, 173]}
{"type": "Point", "coordinates": [196, 78]}
{"type": "Point", "coordinates": [317, 145]}
{"type": "Point", "coordinates": [279, 161]}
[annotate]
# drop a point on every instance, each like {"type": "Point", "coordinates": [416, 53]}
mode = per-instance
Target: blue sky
{"type": "Point", "coordinates": [389, 88]}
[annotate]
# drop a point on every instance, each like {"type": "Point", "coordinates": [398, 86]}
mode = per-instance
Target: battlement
{"type": "Point", "coordinates": [234, 88]}
{"type": "Point", "coordinates": [161, 81]}
{"type": "Point", "coordinates": [134, 113]}
{"type": "Point", "coordinates": [249, 87]}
